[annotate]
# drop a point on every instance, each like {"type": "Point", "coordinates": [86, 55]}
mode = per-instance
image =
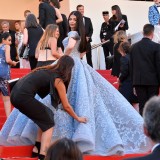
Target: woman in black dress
{"type": "Point", "coordinates": [118, 18]}
{"type": "Point", "coordinates": [32, 34]}
{"type": "Point", "coordinates": [52, 79]}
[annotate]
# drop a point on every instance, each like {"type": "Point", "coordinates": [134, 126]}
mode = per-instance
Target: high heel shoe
{"type": "Point", "coordinates": [41, 157]}
{"type": "Point", "coordinates": [38, 146]}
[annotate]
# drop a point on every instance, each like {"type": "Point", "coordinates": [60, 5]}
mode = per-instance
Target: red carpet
{"type": "Point", "coordinates": [24, 152]}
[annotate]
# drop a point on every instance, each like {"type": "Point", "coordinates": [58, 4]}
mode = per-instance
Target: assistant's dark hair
{"type": "Point", "coordinates": [118, 15]}
{"type": "Point", "coordinates": [64, 149]}
{"type": "Point", "coordinates": [63, 68]}
{"type": "Point", "coordinates": [148, 29]}
{"type": "Point", "coordinates": [80, 29]}
{"type": "Point", "coordinates": [151, 116]}
{"type": "Point", "coordinates": [124, 47]}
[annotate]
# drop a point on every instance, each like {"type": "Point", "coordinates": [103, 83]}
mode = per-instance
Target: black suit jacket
{"type": "Point", "coordinates": [47, 14]}
{"type": "Point", "coordinates": [88, 28]}
{"type": "Point", "coordinates": [155, 155]}
{"type": "Point", "coordinates": [145, 62]}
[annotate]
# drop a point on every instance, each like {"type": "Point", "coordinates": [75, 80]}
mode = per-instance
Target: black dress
{"type": "Point", "coordinates": [116, 60]}
{"type": "Point", "coordinates": [126, 87]}
{"type": "Point", "coordinates": [23, 97]}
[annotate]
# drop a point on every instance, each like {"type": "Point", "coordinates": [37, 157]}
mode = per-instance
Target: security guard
{"type": "Point", "coordinates": [106, 33]}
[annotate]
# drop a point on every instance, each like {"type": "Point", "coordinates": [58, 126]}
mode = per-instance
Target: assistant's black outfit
{"type": "Point", "coordinates": [114, 23]}
{"type": "Point", "coordinates": [126, 86]}
{"type": "Point", "coordinates": [47, 14]}
{"type": "Point", "coordinates": [23, 97]}
{"type": "Point", "coordinates": [145, 69]}
{"type": "Point", "coordinates": [88, 33]}
{"type": "Point", "coordinates": [155, 155]}
{"type": "Point", "coordinates": [106, 33]}
{"type": "Point", "coordinates": [63, 30]}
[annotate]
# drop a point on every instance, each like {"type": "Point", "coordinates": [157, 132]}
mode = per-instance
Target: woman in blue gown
{"type": "Point", "coordinates": [113, 127]}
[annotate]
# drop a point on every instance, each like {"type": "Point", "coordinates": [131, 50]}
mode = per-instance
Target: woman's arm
{"type": "Point", "coordinates": [59, 85]}
{"type": "Point", "coordinates": [8, 58]}
{"type": "Point", "coordinates": [53, 46]}
{"type": "Point", "coordinates": [37, 52]}
{"type": "Point", "coordinates": [70, 46]}
{"type": "Point", "coordinates": [25, 36]}
{"type": "Point", "coordinates": [58, 15]}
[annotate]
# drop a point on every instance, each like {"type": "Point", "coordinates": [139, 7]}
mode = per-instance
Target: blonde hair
{"type": "Point", "coordinates": [120, 36]}
{"type": "Point", "coordinates": [48, 33]}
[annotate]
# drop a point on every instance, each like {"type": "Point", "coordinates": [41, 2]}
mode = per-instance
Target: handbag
{"type": "Point", "coordinates": [11, 83]}
{"type": "Point", "coordinates": [24, 52]}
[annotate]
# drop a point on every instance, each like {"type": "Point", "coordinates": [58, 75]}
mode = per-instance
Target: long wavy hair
{"type": "Point", "coordinates": [31, 21]}
{"type": "Point", "coordinates": [64, 149]}
{"type": "Point", "coordinates": [118, 15]}
{"type": "Point", "coordinates": [63, 68]}
{"type": "Point", "coordinates": [80, 29]}
{"type": "Point", "coordinates": [48, 33]}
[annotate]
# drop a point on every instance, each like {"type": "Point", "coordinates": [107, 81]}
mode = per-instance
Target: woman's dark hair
{"type": "Point", "coordinates": [80, 29]}
{"type": "Point", "coordinates": [118, 15]}
{"type": "Point", "coordinates": [64, 149]}
{"type": "Point", "coordinates": [124, 47]}
{"type": "Point", "coordinates": [5, 36]}
{"type": "Point", "coordinates": [55, 3]}
{"type": "Point", "coordinates": [63, 68]}
{"type": "Point", "coordinates": [31, 21]}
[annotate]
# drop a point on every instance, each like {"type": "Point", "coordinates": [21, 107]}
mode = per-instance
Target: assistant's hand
{"type": "Point", "coordinates": [82, 119]}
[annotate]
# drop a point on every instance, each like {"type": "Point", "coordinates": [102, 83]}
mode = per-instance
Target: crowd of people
{"type": "Point", "coordinates": [64, 98]}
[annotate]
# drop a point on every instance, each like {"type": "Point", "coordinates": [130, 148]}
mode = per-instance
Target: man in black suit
{"type": "Point", "coordinates": [13, 52]}
{"type": "Point", "coordinates": [106, 33]}
{"type": "Point", "coordinates": [89, 31]}
{"type": "Point", "coordinates": [47, 13]}
{"type": "Point", "coordinates": [145, 66]}
{"type": "Point", "coordinates": [152, 128]}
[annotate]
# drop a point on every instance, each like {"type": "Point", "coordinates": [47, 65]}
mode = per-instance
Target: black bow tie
{"type": "Point", "coordinates": [158, 6]}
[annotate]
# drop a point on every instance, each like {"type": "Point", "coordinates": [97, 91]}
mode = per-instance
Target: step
{"type": "Point", "coordinates": [24, 152]}
{"type": "Point", "coordinates": [14, 70]}
{"type": "Point", "coordinates": [1, 125]}
{"type": "Point", "coordinates": [104, 71]}
{"type": "Point", "coordinates": [3, 118]}
{"type": "Point", "coordinates": [2, 112]}
{"type": "Point", "coordinates": [15, 151]}
{"type": "Point", "coordinates": [20, 158]}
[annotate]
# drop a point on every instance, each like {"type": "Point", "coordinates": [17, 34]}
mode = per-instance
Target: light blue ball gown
{"type": "Point", "coordinates": [113, 127]}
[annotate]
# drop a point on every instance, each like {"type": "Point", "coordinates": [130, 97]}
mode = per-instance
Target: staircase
{"type": "Point", "coordinates": [15, 73]}
{"type": "Point", "coordinates": [24, 152]}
